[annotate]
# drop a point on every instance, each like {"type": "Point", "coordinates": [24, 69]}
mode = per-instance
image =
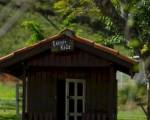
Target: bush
{"type": "Point", "coordinates": [130, 92]}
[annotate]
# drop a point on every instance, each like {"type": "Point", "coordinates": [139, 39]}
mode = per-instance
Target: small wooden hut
{"type": "Point", "coordinates": [66, 77]}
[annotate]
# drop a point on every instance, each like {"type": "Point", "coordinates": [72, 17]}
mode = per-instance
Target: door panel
{"type": "Point", "coordinates": [61, 99]}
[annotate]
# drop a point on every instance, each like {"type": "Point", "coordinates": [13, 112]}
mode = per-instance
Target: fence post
{"type": "Point", "coordinates": [17, 99]}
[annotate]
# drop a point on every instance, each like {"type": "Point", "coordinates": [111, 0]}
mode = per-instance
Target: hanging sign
{"type": "Point", "coordinates": [62, 45]}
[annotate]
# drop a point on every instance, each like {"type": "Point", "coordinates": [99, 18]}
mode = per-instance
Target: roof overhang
{"type": "Point", "coordinates": [122, 63]}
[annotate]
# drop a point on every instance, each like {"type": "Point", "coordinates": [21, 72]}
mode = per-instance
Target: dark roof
{"type": "Point", "coordinates": [26, 52]}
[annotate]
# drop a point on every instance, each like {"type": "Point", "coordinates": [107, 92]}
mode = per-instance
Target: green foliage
{"type": "Point", "coordinates": [135, 68]}
{"type": "Point", "coordinates": [145, 48]}
{"type": "Point", "coordinates": [128, 93]}
{"type": "Point", "coordinates": [67, 13]}
{"type": "Point", "coordinates": [36, 30]}
{"type": "Point", "coordinates": [136, 14]}
{"type": "Point", "coordinates": [114, 40]}
{"type": "Point", "coordinates": [134, 43]}
{"type": "Point", "coordinates": [86, 10]}
{"type": "Point", "coordinates": [141, 20]}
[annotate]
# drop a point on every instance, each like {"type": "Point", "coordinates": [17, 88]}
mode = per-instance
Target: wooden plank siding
{"type": "Point", "coordinates": [100, 91]}
{"type": "Point", "coordinates": [42, 95]}
{"type": "Point", "coordinates": [76, 58]}
{"type": "Point", "coordinates": [45, 69]}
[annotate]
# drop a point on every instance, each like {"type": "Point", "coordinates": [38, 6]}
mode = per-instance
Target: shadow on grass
{"type": "Point", "coordinates": [8, 117]}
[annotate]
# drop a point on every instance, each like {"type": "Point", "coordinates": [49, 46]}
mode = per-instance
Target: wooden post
{"type": "Point", "coordinates": [24, 90]}
{"type": "Point", "coordinates": [17, 98]}
{"type": "Point", "coordinates": [24, 99]}
{"type": "Point", "coordinates": [148, 107]}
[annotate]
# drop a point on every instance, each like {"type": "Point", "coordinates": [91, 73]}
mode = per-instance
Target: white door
{"type": "Point", "coordinates": [75, 99]}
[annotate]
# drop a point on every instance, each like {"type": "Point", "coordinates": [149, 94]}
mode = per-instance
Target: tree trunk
{"type": "Point", "coordinates": [148, 116]}
{"type": "Point", "coordinates": [148, 105]}
{"type": "Point", "coordinates": [147, 69]}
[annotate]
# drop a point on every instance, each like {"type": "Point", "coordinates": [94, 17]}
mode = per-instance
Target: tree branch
{"type": "Point", "coordinates": [109, 10]}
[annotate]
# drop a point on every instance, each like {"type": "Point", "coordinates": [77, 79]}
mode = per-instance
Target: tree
{"type": "Point", "coordinates": [132, 19]}
{"type": "Point", "coordinates": [36, 30]}
{"type": "Point", "coordinates": [86, 13]}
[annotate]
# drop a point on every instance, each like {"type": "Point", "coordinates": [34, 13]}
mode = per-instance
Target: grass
{"type": "Point", "coordinates": [7, 103]}
{"type": "Point", "coordinates": [8, 115]}
{"type": "Point", "coordinates": [7, 91]}
{"type": "Point", "coordinates": [136, 114]}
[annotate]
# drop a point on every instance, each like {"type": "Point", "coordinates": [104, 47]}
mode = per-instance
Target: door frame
{"type": "Point", "coordinates": [76, 97]}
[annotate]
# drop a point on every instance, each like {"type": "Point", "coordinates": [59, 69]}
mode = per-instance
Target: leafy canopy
{"type": "Point", "coordinates": [36, 31]}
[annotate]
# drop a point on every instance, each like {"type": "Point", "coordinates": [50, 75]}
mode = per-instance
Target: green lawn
{"type": "Point", "coordinates": [7, 91]}
{"type": "Point", "coordinates": [131, 115]}
{"type": "Point", "coordinates": [7, 102]}
{"type": "Point", "coordinates": [8, 115]}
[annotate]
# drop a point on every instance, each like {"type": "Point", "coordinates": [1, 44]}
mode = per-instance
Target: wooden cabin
{"type": "Point", "coordinates": [66, 77]}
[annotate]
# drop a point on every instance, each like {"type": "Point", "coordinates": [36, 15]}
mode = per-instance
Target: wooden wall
{"type": "Point", "coordinates": [76, 58]}
{"type": "Point", "coordinates": [101, 92]}
{"type": "Point", "coordinates": [100, 88]}
{"type": "Point", "coordinates": [41, 91]}
{"type": "Point", "coordinates": [45, 69]}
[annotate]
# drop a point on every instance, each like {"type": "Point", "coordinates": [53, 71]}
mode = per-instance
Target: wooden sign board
{"type": "Point", "coordinates": [62, 45]}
